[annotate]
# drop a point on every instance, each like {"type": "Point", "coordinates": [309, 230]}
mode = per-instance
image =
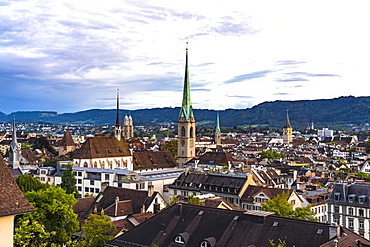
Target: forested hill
{"type": "Point", "coordinates": [335, 113]}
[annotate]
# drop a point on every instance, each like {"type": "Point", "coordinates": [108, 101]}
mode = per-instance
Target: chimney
{"type": "Point", "coordinates": [150, 190]}
{"type": "Point", "coordinates": [143, 208]}
{"type": "Point", "coordinates": [179, 206]}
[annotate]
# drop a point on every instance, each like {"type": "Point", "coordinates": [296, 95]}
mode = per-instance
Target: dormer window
{"type": "Point", "coordinates": [208, 242]}
{"type": "Point", "coordinates": [351, 198]}
{"type": "Point", "coordinates": [179, 239]}
{"type": "Point", "coordinates": [336, 196]}
{"type": "Point", "coordinates": [182, 238]}
{"type": "Point", "coordinates": [361, 199]}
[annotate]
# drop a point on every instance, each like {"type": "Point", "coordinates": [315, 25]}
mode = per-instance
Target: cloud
{"type": "Point", "coordinates": [288, 62]}
{"type": "Point", "coordinates": [311, 74]}
{"type": "Point", "coordinates": [253, 75]}
{"type": "Point", "coordinates": [239, 96]}
{"type": "Point", "coordinates": [291, 79]}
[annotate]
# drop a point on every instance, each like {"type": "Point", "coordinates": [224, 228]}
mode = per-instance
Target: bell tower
{"type": "Point", "coordinates": [186, 123]}
{"type": "Point", "coordinates": [287, 130]}
{"type": "Point", "coordinates": [218, 131]}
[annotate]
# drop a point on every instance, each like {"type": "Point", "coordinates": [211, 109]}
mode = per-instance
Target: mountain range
{"type": "Point", "coordinates": [334, 113]}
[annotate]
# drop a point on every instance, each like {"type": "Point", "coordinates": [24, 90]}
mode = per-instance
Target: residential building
{"type": "Point", "coordinates": [349, 206]}
{"type": "Point", "coordinates": [12, 203]}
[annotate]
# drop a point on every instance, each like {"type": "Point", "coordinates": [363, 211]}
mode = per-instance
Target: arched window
{"type": "Point", "coordinates": [183, 131]}
{"type": "Point", "coordinates": [85, 164]}
{"type": "Point", "coordinates": [95, 164]}
{"type": "Point", "coordinates": [191, 131]}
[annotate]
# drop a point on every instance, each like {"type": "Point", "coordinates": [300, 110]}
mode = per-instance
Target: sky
{"type": "Point", "coordinates": [69, 56]}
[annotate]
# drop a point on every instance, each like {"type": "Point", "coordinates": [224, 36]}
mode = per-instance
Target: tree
{"type": "Point", "coordinates": [97, 230]}
{"type": "Point", "coordinates": [31, 233]}
{"type": "Point", "coordinates": [271, 155]}
{"type": "Point", "coordinates": [172, 147]}
{"type": "Point", "coordinates": [282, 207]}
{"type": "Point", "coordinates": [28, 183]}
{"type": "Point", "coordinates": [69, 182]}
{"type": "Point", "coordinates": [194, 200]}
{"type": "Point", "coordinates": [53, 209]}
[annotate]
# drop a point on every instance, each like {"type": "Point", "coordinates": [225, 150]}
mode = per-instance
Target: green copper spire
{"type": "Point", "coordinates": [218, 123]}
{"type": "Point", "coordinates": [186, 108]}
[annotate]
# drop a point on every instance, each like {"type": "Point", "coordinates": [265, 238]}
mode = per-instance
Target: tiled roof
{"type": "Point", "coordinates": [12, 201]}
{"type": "Point", "coordinates": [67, 140]}
{"type": "Point", "coordinates": [226, 228]}
{"type": "Point", "coordinates": [153, 159]}
{"type": "Point", "coordinates": [101, 147]}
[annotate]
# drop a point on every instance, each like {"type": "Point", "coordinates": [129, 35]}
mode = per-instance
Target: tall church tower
{"type": "Point", "coordinates": [287, 131]}
{"type": "Point", "coordinates": [15, 151]}
{"type": "Point", "coordinates": [128, 127]}
{"type": "Point", "coordinates": [117, 127]}
{"type": "Point", "coordinates": [218, 131]}
{"type": "Point", "coordinates": [186, 123]}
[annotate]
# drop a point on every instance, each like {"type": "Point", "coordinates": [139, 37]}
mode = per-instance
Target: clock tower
{"type": "Point", "coordinates": [186, 123]}
{"type": "Point", "coordinates": [287, 131]}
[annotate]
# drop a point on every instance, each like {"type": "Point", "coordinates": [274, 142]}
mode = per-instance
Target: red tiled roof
{"type": "Point", "coordinates": [12, 200]}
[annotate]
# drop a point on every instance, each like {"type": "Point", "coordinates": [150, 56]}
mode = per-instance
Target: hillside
{"type": "Point", "coordinates": [334, 113]}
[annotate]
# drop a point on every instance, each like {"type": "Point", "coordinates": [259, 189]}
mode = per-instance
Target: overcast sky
{"type": "Point", "coordinates": [72, 55]}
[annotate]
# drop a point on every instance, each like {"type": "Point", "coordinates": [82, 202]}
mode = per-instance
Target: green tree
{"type": "Point", "coordinates": [280, 244]}
{"type": "Point", "coordinates": [172, 147]}
{"type": "Point", "coordinates": [69, 181]}
{"type": "Point", "coordinates": [367, 146]}
{"type": "Point", "coordinates": [28, 183]}
{"type": "Point", "coordinates": [25, 146]}
{"type": "Point", "coordinates": [174, 200]}
{"type": "Point", "coordinates": [53, 209]}
{"type": "Point", "coordinates": [31, 233]}
{"type": "Point", "coordinates": [98, 230]}
{"type": "Point", "coordinates": [281, 207]}
{"type": "Point", "coordinates": [271, 155]}
{"type": "Point", "coordinates": [194, 200]}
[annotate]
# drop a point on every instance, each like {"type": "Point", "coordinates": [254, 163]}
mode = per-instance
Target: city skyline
{"type": "Point", "coordinates": [69, 56]}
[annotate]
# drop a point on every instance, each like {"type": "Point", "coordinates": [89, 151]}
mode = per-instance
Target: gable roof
{"type": "Point", "coordinates": [226, 228]}
{"type": "Point", "coordinates": [12, 200]}
{"type": "Point", "coordinates": [105, 199]}
{"type": "Point", "coordinates": [153, 159]}
{"type": "Point", "coordinates": [101, 147]}
{"type": "Point", "coordinates": [252, 190]}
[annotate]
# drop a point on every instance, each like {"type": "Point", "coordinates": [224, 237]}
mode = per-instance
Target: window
{"type": "Point", "coordinates": [119, 185]}
{"type": "Point", "coordinates": [42, 179]}
{"type": "Point", "coordinates": [97, 190]}
{"type": "Point", "coordinates": [106, 176]}
{"type": "Point", "coordinates": [336, 196]}
{"type": "Point", "coordinates": [361, 224]}
{"type": "Point", "coordinates": [92, 182]}
{"type": "Point", "coordinates": [86, 189]}
{"type": "Point", "coordinates": [91, 190]}
{"type": "Point", "coordinates": [350, 223]}
{"type": "Point", "coordinates": [79, 181]}
{"type": "Point", "coordinates": [79, 188]}
{"type": "Point", "coordinates": [292, 202]}
{"type": "Point", "coordinates": [336, 209]}
{"type": "Point", "coordinates": [184, 193]}
{"type": "Point", "coordinates": [175, 192]}
{"type": "Point", "coordinates": [79, 174]}
{"type": "Point", "coordinates": [43, 172]}
{"type": "Point", "coordinates": [361, 212]}
{"type": "Point", "coordinates": [350, 211]}
{"type": "Point", "coordinates": [183, 131]}
{"type": "Point", "coordinates": [361, 199]}
{"type": "Point", "coordinates": [351, 198]}
{"type": "Point", "coordinates": [205, 244]}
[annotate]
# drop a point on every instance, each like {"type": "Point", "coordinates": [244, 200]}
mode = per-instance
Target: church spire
{"type": "Point", "coordinates": [117, 112]}
{"type": "Point", "coordinates": [287, 122]}
{"type": "Point", "coordinates": [186, 108]}
{"type": "Point", "coordinates": [218, 123]}
{"type": "Point", "coordinates": [218, 130]}
{"type": "Point", "coordinates": [14, 154]}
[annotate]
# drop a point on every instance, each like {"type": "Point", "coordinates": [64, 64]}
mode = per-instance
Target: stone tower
{"type": "Point", "coordinates": [15, 151]}
{"type": "Point", "coordinates": [287, 131]}
{"type": "Point", "coordinates": [128, 127]}
{"type": "Point", "coordinates": [218, 130]}
{"type": "Point", "coordinates": [186, 123]}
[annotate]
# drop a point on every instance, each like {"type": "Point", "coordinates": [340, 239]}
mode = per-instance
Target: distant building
{"type": "Point", "coordinates": [325, 132]}
{"type": "Point", "coordinates": [128, 127]}
{"type": "Point", "coordinates": [66, 145]}
{"type": "Point", "coordinates": [15, 150]}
